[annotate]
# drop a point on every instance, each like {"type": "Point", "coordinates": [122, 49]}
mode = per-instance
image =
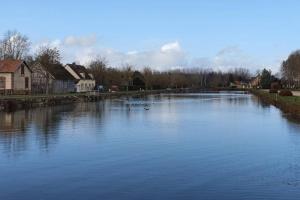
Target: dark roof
{"type": "Point", "coordinates": [11, 66]}
{"type": "Point", "coordinates": [79, 69]}
{"type": "Point", "coordinates": [59, 72]}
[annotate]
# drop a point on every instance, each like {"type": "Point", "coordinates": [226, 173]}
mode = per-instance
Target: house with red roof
{"type": "Point", "coordinates": [15, 77]}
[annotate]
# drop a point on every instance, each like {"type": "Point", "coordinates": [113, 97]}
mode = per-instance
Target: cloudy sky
{"type": "Point", "coordinates": [164, 34]}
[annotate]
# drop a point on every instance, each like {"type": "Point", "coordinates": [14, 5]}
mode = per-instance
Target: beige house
{"type": "Point", "coordinates": [85, 82]}
{"type": "Point", "coordinates": [15, 77]}
{"type": "Point", "coordinates": [255, 82]}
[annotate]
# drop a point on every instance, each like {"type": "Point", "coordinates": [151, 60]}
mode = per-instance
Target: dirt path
{"type": "Point", "coordinates": [296, 93]}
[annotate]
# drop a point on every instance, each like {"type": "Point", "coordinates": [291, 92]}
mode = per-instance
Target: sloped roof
{"type": "Point", "coordinates": [79, 69]}
{"type": "Point", "coordinates": [10, 66]}
{"type": "Point", "coordinates": [59, 72]}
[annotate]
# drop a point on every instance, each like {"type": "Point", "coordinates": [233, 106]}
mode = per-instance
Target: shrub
{"type": "Point", "coordinates": [273, 91]}
{"type": "Point", "coordinates": [275, 86]}
{"type": "Point", "coordinates": [285, 93]}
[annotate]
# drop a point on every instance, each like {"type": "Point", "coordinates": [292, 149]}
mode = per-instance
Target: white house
{"type": "Point", "coordinates": [84, 81]}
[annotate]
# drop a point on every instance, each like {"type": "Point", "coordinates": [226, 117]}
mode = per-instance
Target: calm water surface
{"type": "Point", "coordinates": [189, 146]}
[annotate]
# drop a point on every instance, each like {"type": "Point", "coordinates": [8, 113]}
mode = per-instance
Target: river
{"type": "Point", "coordinates": [225, 145]}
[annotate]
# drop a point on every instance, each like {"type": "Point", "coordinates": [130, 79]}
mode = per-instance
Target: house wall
{"type": "Point", "coordinates": [39, 80]}
{"type": "Point", "coordinates": [19, 80]}
{"type": "Point", "coordinates": [55, 86]}
{"type": "Point", "coordinates": [39, 86]}
{"type": "Point", "coordinates": [85, 85]}
{"type": "Point", "coordinates": [8, 80]}
{"type": "Point", "coordinates": [62, 86]}
{"type": "Point", "coordinates": [255, 82]}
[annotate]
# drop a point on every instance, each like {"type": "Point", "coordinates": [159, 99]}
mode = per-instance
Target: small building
{"type": "Point", "coordinates": [239, 85]}
{"type": "Point", "coordinates": [136, 82]}
{"type": "Point", "coordinates": [114, 88]}
{"type": "Point", "coordinates": [255, 82]}
{"type": "Point", "coordinates": [85, 81]}
{"type": "Point", "coordinates": [52, 79]}
{"type": "Point", "coordinates": [15, 77]}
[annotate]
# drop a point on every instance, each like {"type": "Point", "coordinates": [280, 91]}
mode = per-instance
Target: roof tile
{"type": "Point", "coordinates": [10, 66]}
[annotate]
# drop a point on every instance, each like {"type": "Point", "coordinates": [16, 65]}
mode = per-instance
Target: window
{"type": "Point", "coordinates": [2, 82]}
{"type": "Point", "coordinates": [22, 70]}
{"type": "Point", "coordinates": [26, 83]}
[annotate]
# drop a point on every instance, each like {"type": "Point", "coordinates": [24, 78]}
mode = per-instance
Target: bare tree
{"type": "Point", "coordinates": [127, 75]}
{"type": "Point", "coordinates": [98, 68]}
{"type": "Point", "coordinates": [290, 69]}
{"type": "Point", "coordinates": [14, 45]}
{"type": "Point", "coordinates": [148, 76]}
{"type": "Point", "coordinates": [47, 55]}
{"type": "Point", "coordinates": [45, 58]}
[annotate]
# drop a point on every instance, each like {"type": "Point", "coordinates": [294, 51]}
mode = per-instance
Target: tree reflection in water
{"type": "Point", "coordinates": [21, 128]}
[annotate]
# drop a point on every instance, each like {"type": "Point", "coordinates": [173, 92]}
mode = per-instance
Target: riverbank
{"type": "Point", "coordinates": [17, 102]}
{"type": "Point", "coordinates": [288, 104]}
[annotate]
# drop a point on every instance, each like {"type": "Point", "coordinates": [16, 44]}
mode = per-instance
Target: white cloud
{"type": "Point", "coordinates": [132, 52]}
{"type": "Point", "coordinates": [82, 41]}
{"type": "Point", "coordinates": [51, 43]}
{"type": "Point", "coordinates": [231, 57]}
{"type": "Point", "coordinates": [169, 55]}
{"type": "Point", "coordinates": [84, 56]}
{"type": "Point", "coordinates": [166, 56]}
{"type": "Point", "coordinates": [171, 47]}
{"type": "Point", "coordinates": [226, 59]}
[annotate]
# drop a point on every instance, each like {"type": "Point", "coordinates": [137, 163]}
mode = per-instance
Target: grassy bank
{"type": "Point", "coordinates": [290, 104]}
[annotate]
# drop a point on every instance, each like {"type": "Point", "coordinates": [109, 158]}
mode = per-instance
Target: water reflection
{"type": "Point", "coordinates": [13, 122]}
{"type": "Point", "coordinates": [293, 119]}
{"type": "Point", "coordinates": [189, 146]}
{"type": "Point", "coordinates": [293, 122]}
{"type": "Point", "coordinates": [43, 125]}
{"type": "Point", "coordinates": [260, 103]}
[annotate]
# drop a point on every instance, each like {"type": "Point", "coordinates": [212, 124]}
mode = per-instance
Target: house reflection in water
{"type": "Point", "coordinates": [12, 122]}
{"type": "Point", "coordinates": [13, 131]}
{"type": "Point", "coordinates": [43, 126]}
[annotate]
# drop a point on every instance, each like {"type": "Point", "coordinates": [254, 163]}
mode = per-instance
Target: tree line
{"type": "Point", "coordinates": [154, 79]}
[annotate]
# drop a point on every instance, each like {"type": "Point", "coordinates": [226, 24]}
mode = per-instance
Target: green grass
{"type": "Point", "coordinates": [286, 99]}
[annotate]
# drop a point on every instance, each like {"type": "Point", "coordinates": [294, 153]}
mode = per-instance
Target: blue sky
{"type": "Point", "coordinates": [221, 34]}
